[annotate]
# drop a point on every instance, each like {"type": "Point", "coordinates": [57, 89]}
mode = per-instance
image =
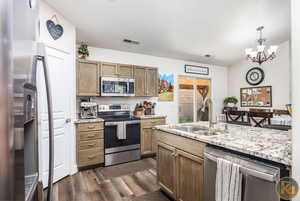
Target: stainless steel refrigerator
{"type": "Point", "coordinates": [20, 56]}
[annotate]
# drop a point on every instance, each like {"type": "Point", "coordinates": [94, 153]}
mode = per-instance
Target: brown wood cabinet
{"type": "Point", "coordinates": [116, 70]}
{"type": "Point", "coordinates": [166, 163]}
{"type": "Point", "coordinates": [148, 138]}
{"type": "Point", "coordinates": [146, 81]}
{"type": "Point", "coordinates": [189, 169]}
{"type": "Point", "coordinates": [109, 69]}
{"type": "Point", "coordinates": [90, 144]}
{"type": "Point", "coordinates": [87, 79]}
{"type": "Point", "coordinates": [151, 82]}
{"type": "Point", "coordinates": [140, 84]}
{"type": "Point", "coordinates": [125, 71]}
{"type": "Point", "coordinates": [89, 73]}
{"type": "Point", "coordinates": [183, 157]}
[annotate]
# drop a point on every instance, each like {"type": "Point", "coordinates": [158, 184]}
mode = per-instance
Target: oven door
{"type": "Point", "coordinates": [121, 136]}
{"type": "Point", "coordinates": [114, 86]}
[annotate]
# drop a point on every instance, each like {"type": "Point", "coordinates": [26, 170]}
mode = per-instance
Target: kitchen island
{"type": "Point", "coordinates": [180, 153]}
{"type": "Point", "coordinates": [269, 144]}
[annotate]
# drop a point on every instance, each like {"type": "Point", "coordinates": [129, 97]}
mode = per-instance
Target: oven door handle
{"type": "Point", "coordinates": [111, 123]}
{"type": "Point", "coordinates": [132, 122]}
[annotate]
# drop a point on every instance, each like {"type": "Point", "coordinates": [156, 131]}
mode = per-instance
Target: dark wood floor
{"type": "Point", "coordinates": [134, 181]}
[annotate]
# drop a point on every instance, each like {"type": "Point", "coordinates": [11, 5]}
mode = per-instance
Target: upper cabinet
{"type": "Point", "coordinates": [90, 72]}
{"type": "Point", "coordinates": [116, 70]}
{"type": "Point", "coordinates": [146, 81]}
{"type": "Point", "coordinates": [87, 78]}
{"type": "Point", "coordinates": [125, 71]}
{"type": "Point", "coordinates": [151, 82]}
{"type": "Point", "coordinates": [109, 69]}
{"type": "Point", "coordinates": [140, 84]}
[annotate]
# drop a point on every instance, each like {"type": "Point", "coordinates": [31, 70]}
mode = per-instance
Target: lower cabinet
{"type": "Point", "coordinates": [180, 174]}
{"type": "Point", "coordinates": [90, 144]}
{"type": "Point", "coordinates": [166, 163]}
{"type": "Point", "coordinates": [189, 177]}
{"type": "Point", "coordinates": [148, 138]}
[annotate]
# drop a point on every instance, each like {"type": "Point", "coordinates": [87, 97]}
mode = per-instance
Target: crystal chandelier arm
{"type": "Point", "coordinates": [265, 58]}
{"type": "Point", "coordinates": [271, 56]}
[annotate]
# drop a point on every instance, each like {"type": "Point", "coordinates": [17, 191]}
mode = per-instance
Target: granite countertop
{"type": "Point", "coordinates": [78, 121]}
{"type": "Point", "coordinates": [156, 116]}
{"type": "Point", "coordinates": [273, 145]}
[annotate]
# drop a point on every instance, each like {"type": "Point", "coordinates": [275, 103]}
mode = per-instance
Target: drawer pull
{"type": "Point", "coordinates": [90, 136]}
{"type": "Point", "coordinates": [91, 127]}
{"type": "Point", "coordinates": [92, 145]}
{"type": "Point", "coordinates": [91, 157]}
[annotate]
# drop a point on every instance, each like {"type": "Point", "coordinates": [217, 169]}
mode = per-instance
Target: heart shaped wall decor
{"type": "Point", "coordinates": [55, 30]}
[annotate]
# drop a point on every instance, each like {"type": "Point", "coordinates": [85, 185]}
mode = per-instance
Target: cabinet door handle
{"type": "Point", "coordinates": [90, 127]}
{"type": "Point", "coordinates": [92, 145]}
{"type": "Point", "coordinates": [89, 136]}
{"type": "Point", "coordinates": [91, 157]}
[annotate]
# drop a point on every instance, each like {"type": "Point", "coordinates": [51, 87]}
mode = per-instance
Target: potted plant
{"type": "Point", "coordinates": [83, 51]}
{"type": "Point", "coordinates": [230, 101]}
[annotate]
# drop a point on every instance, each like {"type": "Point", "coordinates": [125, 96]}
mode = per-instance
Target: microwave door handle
{"type": "Point", "coordinates": [51, 129]}
{"type": "Point", "coordinates": [128, 85]}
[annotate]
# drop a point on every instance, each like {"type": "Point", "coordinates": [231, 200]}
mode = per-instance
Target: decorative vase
{"type": "Point", "coordinates": [230, 105]}
{"type": "Point", "coordinates": [82, 56]}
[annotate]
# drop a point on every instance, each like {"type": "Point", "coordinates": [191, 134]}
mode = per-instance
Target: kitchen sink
{"type": "Point", "coordinates": [200, 130]}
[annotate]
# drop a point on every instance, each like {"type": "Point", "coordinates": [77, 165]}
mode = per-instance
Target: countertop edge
{"type": "Point", "coordinates": [78, 121]}
{"type": "Point", "coordinates": [188, 136]}
{"type": "Point", "coordinates": [152, 117]}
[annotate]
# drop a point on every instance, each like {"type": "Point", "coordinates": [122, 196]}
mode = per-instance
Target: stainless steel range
{"type": "Point", "coordinates": [121, 134]}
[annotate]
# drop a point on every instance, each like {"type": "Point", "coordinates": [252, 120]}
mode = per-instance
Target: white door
{"type": "Point", "coordinates": [59, 68]}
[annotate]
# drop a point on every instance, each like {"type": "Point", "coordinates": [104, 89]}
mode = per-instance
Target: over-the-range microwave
{"type": "Point", "coordinates": [111, 86]}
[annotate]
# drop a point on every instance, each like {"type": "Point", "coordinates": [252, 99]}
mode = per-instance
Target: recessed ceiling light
{"type": "Point", "coordinates": [131, 41]}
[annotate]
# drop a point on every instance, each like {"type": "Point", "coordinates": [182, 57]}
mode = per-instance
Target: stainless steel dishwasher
{"type": "Point", "coordinates": [259, 178]}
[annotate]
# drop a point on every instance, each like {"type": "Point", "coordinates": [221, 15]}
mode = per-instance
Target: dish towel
{"type": "Point", "coordinates": [228, 181]}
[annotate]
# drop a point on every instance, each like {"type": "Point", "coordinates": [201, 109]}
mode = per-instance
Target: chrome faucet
{"type": "Point", "coordinates": [209, 102]}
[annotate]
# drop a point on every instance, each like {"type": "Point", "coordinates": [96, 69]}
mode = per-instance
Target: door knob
{"type": "Point", "coordinates": [68, 121]}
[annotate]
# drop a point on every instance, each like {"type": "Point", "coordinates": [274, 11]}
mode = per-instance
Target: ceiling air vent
{"type": "Point", "coordinates": [131, 41]}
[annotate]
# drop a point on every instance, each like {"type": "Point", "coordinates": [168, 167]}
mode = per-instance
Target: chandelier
{"type": "Point", "coordinates": [260, 55]}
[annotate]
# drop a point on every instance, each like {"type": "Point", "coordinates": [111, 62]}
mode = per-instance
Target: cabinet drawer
{"type": "Point", "coordinates": [188, 145]}
{"type": "Point", "coordinates": [90, 126]}
{"type": "Point", "coordinates": [91, 144]}
{"type": "Point", "coordinates": [91, 135]}
{"type": "Point", "coordinates": [149, 123]}
{"type": "Point", "coordinates": [90, 157]}
{"type": "Point", "coordinates": [157, 122]}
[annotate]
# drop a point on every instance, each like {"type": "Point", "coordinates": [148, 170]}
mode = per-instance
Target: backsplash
{"type": "Point", "coordinates": [132, 101]}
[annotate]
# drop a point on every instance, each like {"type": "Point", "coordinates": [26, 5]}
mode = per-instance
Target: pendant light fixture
{"type": "Point", "coordinates": [260, 55]}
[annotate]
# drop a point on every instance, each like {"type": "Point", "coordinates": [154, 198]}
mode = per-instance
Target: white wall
{"type": "Point", "coordinates": [295, 49]}
{"type": "Point", "coordinates": [218, 76]}
{"type": "Point", "coordinates": [277, 74]}
{"type": "Point", "coordinates": [67, 45]}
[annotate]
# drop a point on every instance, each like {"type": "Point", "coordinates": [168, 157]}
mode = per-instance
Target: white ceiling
{"type": "Point", "coordinates": [182, 29]}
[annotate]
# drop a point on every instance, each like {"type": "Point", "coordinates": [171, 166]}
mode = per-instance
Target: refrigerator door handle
{"type": "Point", "coordinates": [41, 57]}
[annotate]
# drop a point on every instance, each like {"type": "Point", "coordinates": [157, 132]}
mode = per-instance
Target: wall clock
{"type": "Point", "coordinates": [255, 76]}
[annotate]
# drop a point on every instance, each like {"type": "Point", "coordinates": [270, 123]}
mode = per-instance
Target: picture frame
{"type": "Point", "coordinates": [201, 70]}
{"type": "Point", "coordinates": [256, 96]}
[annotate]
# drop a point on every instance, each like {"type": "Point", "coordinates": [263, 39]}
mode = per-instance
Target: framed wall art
{"type": "Point", "coordinates": [196, 69]}
{"type": "Point", "coordinates": [256, 96]}
{"type": "Point", "coordinates": [166, 87]}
